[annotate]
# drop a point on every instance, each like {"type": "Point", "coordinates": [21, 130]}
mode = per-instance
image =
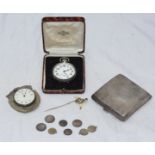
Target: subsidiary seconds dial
{"type": "Point", "coordinates": [64, 71]}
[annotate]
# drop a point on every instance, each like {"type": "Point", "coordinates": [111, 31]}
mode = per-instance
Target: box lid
{"type": "Point", "coordinates": [63, 35]}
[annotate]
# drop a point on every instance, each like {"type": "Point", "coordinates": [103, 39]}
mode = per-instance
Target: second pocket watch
{"type": "Point", "coordinates": [24, 99]}
{"type": "Point", "coordinates": [64, 71]}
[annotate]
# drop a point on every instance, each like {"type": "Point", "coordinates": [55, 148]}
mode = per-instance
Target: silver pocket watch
{"type": "Point", "coordinates": [24, 99]}
{"type": "Point", "coordinates": [64, 71]}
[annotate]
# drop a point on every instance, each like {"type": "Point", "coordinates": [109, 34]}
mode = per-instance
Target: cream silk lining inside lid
{"type": "Point", "coordinates": [63, 37]}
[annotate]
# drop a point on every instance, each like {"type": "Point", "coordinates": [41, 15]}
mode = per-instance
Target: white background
{"type": "Point", "coordinates": [115, 43]}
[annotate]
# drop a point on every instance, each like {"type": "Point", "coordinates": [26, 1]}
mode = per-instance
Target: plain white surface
{"type": "Point", "coordinates": [115, 43]}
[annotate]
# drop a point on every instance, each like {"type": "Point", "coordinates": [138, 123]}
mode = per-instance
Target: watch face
{"type": "Point", "coordinates": [64, 71]}
{"type": "Point", "coordinates": [24, 96]}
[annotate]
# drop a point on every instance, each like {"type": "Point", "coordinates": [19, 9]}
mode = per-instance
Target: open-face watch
{"type": "Point", "coordinates": [64, 71]}
{"type": "Point", "coordinates": [24, 99]}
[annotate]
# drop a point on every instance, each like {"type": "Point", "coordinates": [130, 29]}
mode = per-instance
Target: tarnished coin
{"type": "Point", "coordinates": [83, 132]}
{"type": "Point", "coordinates": [63, 123]}
{"type": "Point", "coordinates": [91, 128]}
{"type": "Point", "coordinates": [77, 123]}
{"type": "Point", "coordinates": [41, 127]}
{"type": "Point", "coordinates": [52, 131]}
{"type": "Point", "coordinates": [68, 132]}
{"type": "Point", "coordinates": [49, 119]}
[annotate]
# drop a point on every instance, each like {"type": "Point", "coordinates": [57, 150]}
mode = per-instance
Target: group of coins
{"type": "Point", "coordinates": [63, 123]}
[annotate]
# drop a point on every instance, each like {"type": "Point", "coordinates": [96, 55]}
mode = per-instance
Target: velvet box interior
{"type": "Point", "coordinates": [63, 37]}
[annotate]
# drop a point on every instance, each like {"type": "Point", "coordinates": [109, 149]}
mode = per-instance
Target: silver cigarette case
{"type": "Point", "coordinates": [121, 97]}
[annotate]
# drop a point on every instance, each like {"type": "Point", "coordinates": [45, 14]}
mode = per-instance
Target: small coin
{"type": "Point", "coordinates": [92, 128]}
{"type": "Point", "coordinates": [52, 131]}
{"type": "Point", "coordinates": [77, 123]}
{"type": "Point", "coordinates": [63, 123]}
{"type": "Point", "coordinates": [68, 132]}
{"type": "Point", "coordinates": [41, 127]}
{"type": "Point", "coordinates": [83, 132]}
{"type": "Point", "coordinates": [49, 119]}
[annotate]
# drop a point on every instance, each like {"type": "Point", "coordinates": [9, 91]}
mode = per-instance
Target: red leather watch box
{"type": "Point", "coordinates": [63, 64]}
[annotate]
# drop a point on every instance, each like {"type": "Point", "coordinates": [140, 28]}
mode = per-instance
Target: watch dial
{"type": "Point", "coordinates": [64, 71]}
{"type": "Point", "coordinates": [24, 96]}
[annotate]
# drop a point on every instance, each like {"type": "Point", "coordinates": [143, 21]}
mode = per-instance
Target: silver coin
{"type": "Point", "coordinates": [77, 123]}
{"type": "Point", "coordinates": [41, 127]}
{"type": "Point", "coordinates": [92, 128]}
{"type": "Point", "coordinates": [52, 131]}
{"type": "Point", "coordinates": [49, 119]}
{"type": "Point", "coordinates": [68, 132]}
{"type": "Point", "coordinates": [63, 123]}
{"type": "Point", "coordinates": [83, 132]}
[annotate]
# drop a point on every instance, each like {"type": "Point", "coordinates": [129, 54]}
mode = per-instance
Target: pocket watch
{"type": "Point", "coordinates": [64, 71]}
{"type": "Point", "coordinates": [24, 99]}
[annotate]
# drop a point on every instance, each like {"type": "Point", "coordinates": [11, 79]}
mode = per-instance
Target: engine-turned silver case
{"type": "Point", "coordinates": [121, 97]}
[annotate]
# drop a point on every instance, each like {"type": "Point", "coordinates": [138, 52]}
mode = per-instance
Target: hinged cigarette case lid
{"type": "Point", "coordinates": [63, 35]}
